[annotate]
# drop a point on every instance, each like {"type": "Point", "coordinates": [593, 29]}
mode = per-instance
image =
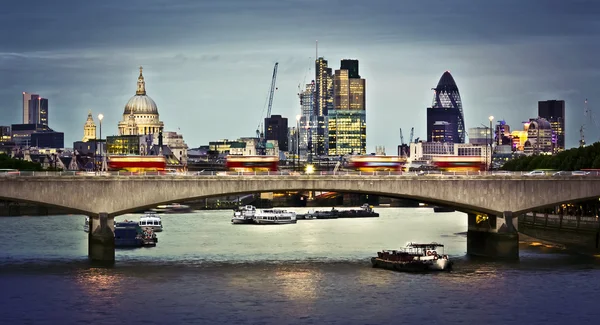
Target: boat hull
{"type": "Point", "coordinates": [412, 266]}
{"type": "Point", "coordinates": [241, 221]}
{"type": "Point", "coordinates": [274, 222]}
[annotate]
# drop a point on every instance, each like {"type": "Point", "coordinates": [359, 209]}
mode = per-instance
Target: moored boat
{"type": "Point", "coordinates": [130, 234]}
{"type": "Point", "coordinates": [243, 215]}
{"type": "Point", "coordinates": [152, 220]}
{"type": "Point", "coordinates": [274, 217]}
{"type": "Point", "coordinates": [365, 211]}
{"type": "Point", "coordinates": [413, 258]}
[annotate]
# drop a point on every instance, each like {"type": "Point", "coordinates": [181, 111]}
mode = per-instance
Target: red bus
{"type": "Point", "coordinates": [460, 163]}
{"type": "Point", "coordinates": [252, 163]}
{"type": "Point", "coordinates": [376, 163]}
{"type": "Point", "coordinates": [137, 163]}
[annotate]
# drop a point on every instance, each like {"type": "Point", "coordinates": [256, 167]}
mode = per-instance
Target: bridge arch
{"type": "Point", "coordinates": [42, 203]}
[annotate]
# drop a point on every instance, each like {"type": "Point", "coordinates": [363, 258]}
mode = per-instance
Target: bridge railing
{"type": "Point", "coordinates": [498, 174]}
{"type": "Point", "coordinates": [561, 221]}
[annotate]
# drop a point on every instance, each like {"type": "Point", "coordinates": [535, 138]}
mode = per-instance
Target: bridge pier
{"type": "Point", "coordinates": [101, 239]}
{"type": "Point", "coordinates": [493, 236]}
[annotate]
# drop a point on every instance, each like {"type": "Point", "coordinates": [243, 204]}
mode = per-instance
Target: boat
{"type": "Point", "coordinates": [130, 234]}
{"type": "Point", "coordinates": [323, 214]}
{"type": "Point", "coordinates": [413, 258]}
{"type": "Point", "coordinates": [243, 215]}
{"type": "Point", "coordinates": [365, 211]}
{"type": "Point", "coordinates": [86, 225]}
{"type": "Point", "coordinates": [274, 217]}
{"type": "Point", "coordinates": [152, 220]}
{"type": "Point", "coordinates": [442, 209]}
{"type": "Point", "coordinates": [173, 208]}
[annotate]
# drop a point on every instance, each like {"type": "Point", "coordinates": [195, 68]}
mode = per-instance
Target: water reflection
{"type": "Point", "coordinates": [100, 283]}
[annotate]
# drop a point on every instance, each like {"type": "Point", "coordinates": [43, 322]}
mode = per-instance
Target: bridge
{"type": "Point", "coordinates": [492, 202]}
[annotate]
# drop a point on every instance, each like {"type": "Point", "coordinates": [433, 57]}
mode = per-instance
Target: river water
{"type": "Point", "coordinates": [206, 271]}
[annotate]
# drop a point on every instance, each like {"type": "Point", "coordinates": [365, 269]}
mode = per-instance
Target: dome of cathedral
{"type": "Point", "coordinates": [140, 104]}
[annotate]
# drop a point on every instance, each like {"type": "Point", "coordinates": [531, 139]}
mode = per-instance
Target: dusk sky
{"type": "Point", "coordinates": [208, 64]}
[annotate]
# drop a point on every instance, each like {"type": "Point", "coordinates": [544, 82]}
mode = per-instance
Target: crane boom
{"type": "Point", "coordinates": [273, 79]}
{"type": "Point", "coordinates": [412, 132]}
{"type": "Point", "coordinates": [401, 137]}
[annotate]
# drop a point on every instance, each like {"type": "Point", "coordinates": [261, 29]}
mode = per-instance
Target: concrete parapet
{"type": "Point", "coordinates": [101, 240]}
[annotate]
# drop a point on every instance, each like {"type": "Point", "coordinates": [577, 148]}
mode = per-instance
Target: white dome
{"type": "Point", "coordinates": [140, 104]}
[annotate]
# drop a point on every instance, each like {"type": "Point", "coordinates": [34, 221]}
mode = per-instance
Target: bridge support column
{"type": "Point", "coordinates": [493, 236]}
{"type": "Point", "coordinates": [101, 240]}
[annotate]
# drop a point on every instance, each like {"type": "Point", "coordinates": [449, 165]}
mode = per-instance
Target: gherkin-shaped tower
{"type": "Point", "coordinates": [445, 119]}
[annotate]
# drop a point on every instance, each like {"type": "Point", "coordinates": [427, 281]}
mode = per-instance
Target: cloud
{"type": "Point", "coordinates": [208, 64]}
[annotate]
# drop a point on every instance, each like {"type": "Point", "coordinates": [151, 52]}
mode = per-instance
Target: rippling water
{"type": "Point", "coordinates": [207, 271]}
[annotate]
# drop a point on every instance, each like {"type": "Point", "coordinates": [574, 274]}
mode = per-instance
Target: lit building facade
{"type": "Point", "coordinates": [141, 113]}
{"type": "Point", "coordinates": [554, 112]}
{"type": "Point", "coordinates": [37, 109]}
{"type": "Point", "coordinates": [441, 131]}
{"type": "Point", "coordinates": [123, 145]}
{"type": "Point", "coordinates": [539, 137]}
{"type": "Point", "coordinates": [447, 107]}
{"type": "Point", "coordinates": [479, 136]}
{"type": "Point", "coordinates": [347, 131]}
{"type": "Point", "coordinates": [89, 128]}
{"type": "Point", "coordinates": [307, 122]}
{"type": "Point", "coordinates": [323, 102]}
{"type": "Point", "coordinates": [276, 128]}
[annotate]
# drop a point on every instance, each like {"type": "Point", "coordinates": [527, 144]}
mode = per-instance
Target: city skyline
{"type": "Point", "coordinates": [214, 68]}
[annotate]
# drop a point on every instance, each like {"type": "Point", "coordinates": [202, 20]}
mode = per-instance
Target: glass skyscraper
{"type": "Point", "coordinates": [446, 107]}
{"type": "Point", "coordinates": [347, 130]}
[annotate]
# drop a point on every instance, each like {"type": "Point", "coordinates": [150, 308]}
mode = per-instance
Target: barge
{"type": "Point", "coordinates": [413, 258]}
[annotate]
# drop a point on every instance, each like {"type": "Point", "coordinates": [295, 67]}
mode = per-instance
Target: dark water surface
{"type": "Point", "coordinates": [207, 271]}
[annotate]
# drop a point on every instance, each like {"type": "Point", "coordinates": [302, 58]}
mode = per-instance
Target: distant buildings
{"type": "Point", "coordinates": [35, 109]}
{"type": "Point", "coordinates": [446, 107]}
{"type": "Point", "coordinates": [554, 112]}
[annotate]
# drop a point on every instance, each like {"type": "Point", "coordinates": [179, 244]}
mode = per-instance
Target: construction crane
{"type": "Point", "coordinates": [412, 132]}
{"type": "Point", "coordinates": [261, 136]}
{"type": "Point", "coordinates": [402, 147]}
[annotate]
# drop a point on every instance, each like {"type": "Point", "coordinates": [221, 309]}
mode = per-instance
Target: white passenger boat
{"type": "Point", "coordinates": [274, 217]}
{"type": "Point", "coordinates": [86, 225]}
{"type": "Point", "coordinates": [244, 215]}
{"type": "Point", "coordinates": [152, 220]}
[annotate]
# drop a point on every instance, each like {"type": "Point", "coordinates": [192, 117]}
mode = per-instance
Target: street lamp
{"type": "Point", "coordinates": [100, 117]}
{"type": "Point", "coordinates": [491, 118]}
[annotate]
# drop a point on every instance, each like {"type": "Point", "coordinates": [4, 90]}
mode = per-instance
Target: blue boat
{"type": "Point", "coordinates": [130, 234]}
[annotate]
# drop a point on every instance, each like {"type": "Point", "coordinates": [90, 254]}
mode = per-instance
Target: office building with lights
{"type": "Point", "coordinates": [554, 112]}
{"type": "Point", "coordinates": [323, 103]}
{"type": "Point", "coordinates": [347, 131]}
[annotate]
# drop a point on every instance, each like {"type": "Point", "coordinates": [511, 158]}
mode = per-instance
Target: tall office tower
{"type": "Point", "coordinates": [554, 112]}
{"type": "Point", "coordinates": [323, 101]}
{"type": "Point", "coordinates": [307, 120]}
{"type": "Point", "coordinates": [446, 107]}
{"type": "Point", "coordinates": [38, 110]}
{"type": "Point", "coordinates": [277, 129]}
{"type": "Point", "coordinates": [26, 99]}
{"type": "Point", "coordinates": [347, 120]}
